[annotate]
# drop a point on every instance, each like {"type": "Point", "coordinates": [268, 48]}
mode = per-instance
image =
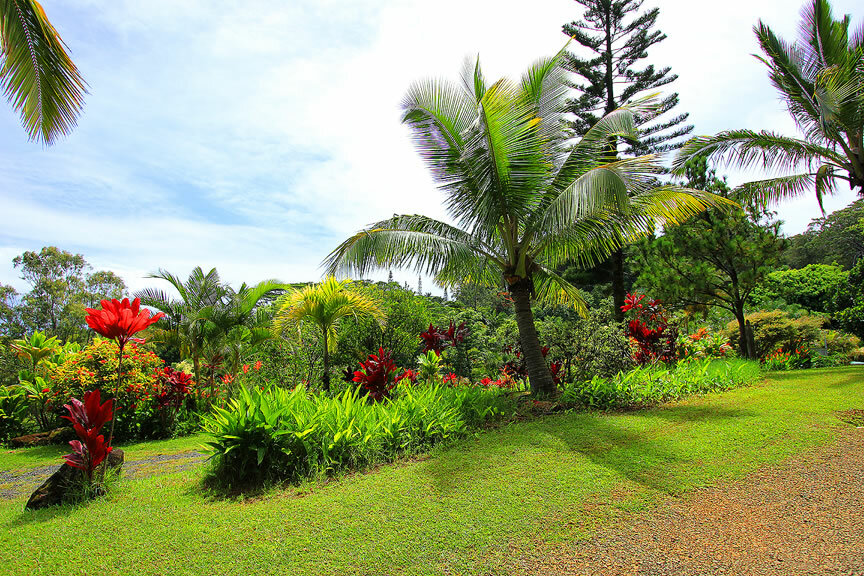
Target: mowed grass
{"type": "Point", "coordinates": [466, 509]}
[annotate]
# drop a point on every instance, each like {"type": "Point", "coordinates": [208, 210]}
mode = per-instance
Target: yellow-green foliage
{"type": "Point", "coordinates": [95, 367]}
{"type": "Point", "coordinates": [775, 329]}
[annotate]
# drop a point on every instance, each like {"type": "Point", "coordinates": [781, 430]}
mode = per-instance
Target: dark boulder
{"type": "Point", "coordinates": [56, 488]}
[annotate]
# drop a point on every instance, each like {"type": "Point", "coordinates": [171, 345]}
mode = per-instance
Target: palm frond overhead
{"type": "Point", "coordinates": [38, 77]}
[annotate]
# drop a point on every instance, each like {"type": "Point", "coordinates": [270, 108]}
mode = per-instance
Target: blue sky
{"type": "Point", "coordinates": [255, 136]}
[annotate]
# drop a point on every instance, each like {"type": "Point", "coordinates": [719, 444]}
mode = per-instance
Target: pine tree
{"type": "Point", "coordinates": [617, 37]}
{"type": "Point", "coordinates": [390, 277]}
{"type": "Point", "coordinates": [419, 284]}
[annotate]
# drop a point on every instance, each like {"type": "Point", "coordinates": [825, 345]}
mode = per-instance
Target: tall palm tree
{"type": "Point", "coordinates": [324, 305]}
{"type": "Point", "coordinates": [525, 199]}
{"type": "Point", "coordinates": [821, 80]}
{"type": "Point", "coordinates": [36, 74]}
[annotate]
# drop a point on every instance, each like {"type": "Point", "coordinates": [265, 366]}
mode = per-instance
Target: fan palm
{"type": "Point", "coordinates": [324, 305]}
{"type": "Point", "coordinates": [36, 74]}
{"type": "Point", "coordinates": [821, 79]}
{"type": "Point", "coordinates": [525, 199]}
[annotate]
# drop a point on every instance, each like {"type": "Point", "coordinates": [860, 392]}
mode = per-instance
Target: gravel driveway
{"type": "Point", "coordinates": [21, 483]}
{"type": "Point", "coordinates": [805, 517]}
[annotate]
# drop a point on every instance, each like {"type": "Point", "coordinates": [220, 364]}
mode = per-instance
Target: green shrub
{"type": "Point", "coordinates": [142, 412]}
{"type": "Point", "coordinates": [14, 409]}
{"type": "Point", "coordinates": [648, 385]}
{"type": "Point", "coordinates": [273, 434]}
{"type": "Point", "coordinates": [775, 329]}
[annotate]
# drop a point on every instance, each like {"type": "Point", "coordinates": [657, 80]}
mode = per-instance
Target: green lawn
{"type": "Point", "coordinates": [465, 510]}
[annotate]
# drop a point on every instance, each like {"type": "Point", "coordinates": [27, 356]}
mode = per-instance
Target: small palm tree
{"type": "Point", "coordinates": [821, 79]}
{"type": "Point", "coordinates": [525, 198]}
{"type": "Point", "coordinates": [206, 312]}
{"type": "Point", "coordinates": [36, 74]}
{"type": "Point", "coordinates": [324, 305]}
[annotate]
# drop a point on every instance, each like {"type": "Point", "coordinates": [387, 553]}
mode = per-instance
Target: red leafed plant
{"type": "Point", "coordinates": [120, 321]}
{"type": "Point", "coordinates": [375, 375]}
{"type": "Point", "coordinates": [174, 387]}
{"type": "Point", "coordinates": [87, 419]}
{"type": "Point", "coordinates": [409, 375]}
{"type": "Point", "coordinates": [649, 330]}
{"type": "Point", "coordinates": [437, 339]}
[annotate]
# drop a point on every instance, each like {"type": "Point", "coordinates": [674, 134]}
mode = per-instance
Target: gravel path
{"type": "Point", "coordinates": [803, 518]}
{"type": "Point", "coordinates": [18, 483]}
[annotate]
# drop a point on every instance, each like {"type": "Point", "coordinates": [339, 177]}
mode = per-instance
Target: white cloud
{"type": "Point", "coordinates": [255, 136]}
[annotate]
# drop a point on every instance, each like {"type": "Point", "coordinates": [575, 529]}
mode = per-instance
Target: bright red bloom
{"type": "Point", "coordinates": [258, 365]}
{"type": "Point", "coordinates": [119, 321]}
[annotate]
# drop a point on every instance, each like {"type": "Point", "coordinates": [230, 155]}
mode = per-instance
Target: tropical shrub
{"type": "Point", "coordinates": [800, 358]}
{"type": "Point", "coordinates": [377, 376]}
{"type": "Point", "coordinates": [649, 330]}
{"type": "Point", "coordinates": [775, 329]}
{"type": "Point", "coordinates": [149, 400]}
{"type": "Point", "coordinates": [277, 434]}
{"type": "Point", "coordinates": [704, 344]}
{"type": "Point", "coordinates": [14, 408]}
{"type": "Point", "coordinates": [587, 347]}
{"type": "Point", "coordinates": [653, 384]}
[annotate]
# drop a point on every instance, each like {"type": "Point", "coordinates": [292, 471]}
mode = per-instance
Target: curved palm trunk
{"type": "Point", "coordinates": [538, 371]}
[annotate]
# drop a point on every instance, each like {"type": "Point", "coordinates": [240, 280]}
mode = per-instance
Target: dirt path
{"type": "Point", "coordinates": [803, 518]}
{"type": "Point", "coordinates": [21, 483]}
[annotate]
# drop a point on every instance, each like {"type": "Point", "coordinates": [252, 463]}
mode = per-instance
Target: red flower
{"type": "Point", "coordinates": [257, 365]}
{"type": "Point", "coordinates": [119, 321]}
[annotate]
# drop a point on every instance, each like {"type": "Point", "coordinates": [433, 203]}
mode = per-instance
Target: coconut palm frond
{"type": "Point", "coordinates": [38, 77]}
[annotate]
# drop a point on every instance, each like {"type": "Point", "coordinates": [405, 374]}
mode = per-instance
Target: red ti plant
{"type": "Point", "coordinates": [437, 339]}
{"type": "Point", "coordinates": [649, 329]}
{"type": "Point", "coordinates": [409, 375]}
{"type": "Point", "coordinates": [87, 419]}
{"type": "Point", "coordinates": [174, 387]}
{"type": "Point", "coordinates": [120, 321]}
{"type": "Point", "coordinates": [375, 375]}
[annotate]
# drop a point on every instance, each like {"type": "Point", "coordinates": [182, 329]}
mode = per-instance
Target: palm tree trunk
{"type": "Point", "coordinates": [538, 371]}
{"type": "Point", "coordinates": [618, 291]}
{"type": "Point", "coordinates": [326, 378]}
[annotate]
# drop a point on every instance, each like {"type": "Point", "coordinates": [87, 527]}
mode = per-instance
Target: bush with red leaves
{"type": "Point", "coordinates": [649, 329]}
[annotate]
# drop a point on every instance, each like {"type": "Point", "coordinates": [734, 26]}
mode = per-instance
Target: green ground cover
{"type": "Point", "coordinates": [466, 509]}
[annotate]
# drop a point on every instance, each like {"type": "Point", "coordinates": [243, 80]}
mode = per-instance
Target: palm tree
{"type": "Point", "coordinates": [821, 79]}
{"type": "Point", "coordinates": [36, 74]}
{"type": "Point", "coordinates": [241, 323]}
{"type": "Point", "coordinates": [324, 305]}
{"type": "Point", "coordinates": [206, 311]}
{"type": "Point", "coordinates": [525, 199]}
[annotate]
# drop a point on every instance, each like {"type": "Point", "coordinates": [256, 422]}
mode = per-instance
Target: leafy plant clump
{"type": "Point", "coordinates": [275, 434]}
{"type": "Point", "coordinates": [654, 384]}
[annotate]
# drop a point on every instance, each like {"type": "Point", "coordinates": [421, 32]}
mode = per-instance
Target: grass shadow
{"type": "Point", "coordinates": [607, 440]}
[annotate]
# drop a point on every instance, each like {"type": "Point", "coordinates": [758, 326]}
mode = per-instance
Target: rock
{"type": "Point", "coordinates": [30, 440]}
{"type": "Point", "coordinates": [56, 436]}
{"type": "Point", "coordinates": [53, 491]}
